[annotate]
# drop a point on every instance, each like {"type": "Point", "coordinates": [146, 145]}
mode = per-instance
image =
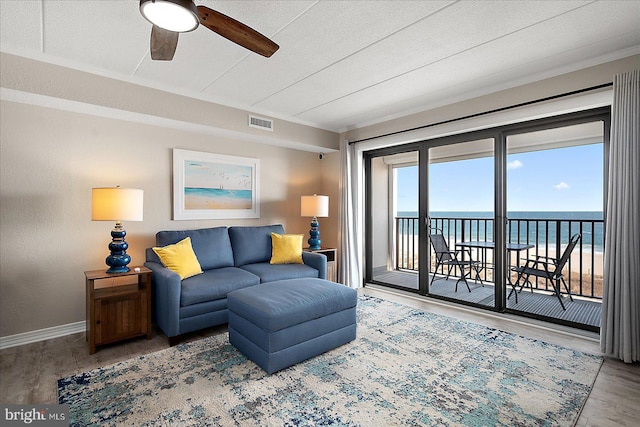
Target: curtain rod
{"type": "Point", "coordinates": [497, 110]}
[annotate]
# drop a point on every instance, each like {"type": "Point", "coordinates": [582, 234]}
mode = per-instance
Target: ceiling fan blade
{"type": "Point", "coordinates": [236, 31]}
{"type": "Point", "coordinates": [163, 44]}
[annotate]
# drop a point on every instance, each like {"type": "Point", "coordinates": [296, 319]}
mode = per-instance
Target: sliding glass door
{"type": "Point", "coordinates": [555, 192]}
{"type": "Point", "coordinates": [394, 224]}
{"type": "Point", "coordinates": [457, 217]}
{"type": "Point", "coordinates": [461, 212]}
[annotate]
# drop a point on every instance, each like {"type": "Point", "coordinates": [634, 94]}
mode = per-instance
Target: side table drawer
{"type": "Point", "coordinates": [115, 281]}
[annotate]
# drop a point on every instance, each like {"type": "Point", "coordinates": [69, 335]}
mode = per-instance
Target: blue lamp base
{"type": "Point", "coordinates": [314, 235]}
{"type": "Point", "coordinates": [119, 259]}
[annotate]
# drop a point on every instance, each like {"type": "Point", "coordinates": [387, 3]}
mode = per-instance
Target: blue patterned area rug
{"type": "Point", "coordinates": [406, 368]}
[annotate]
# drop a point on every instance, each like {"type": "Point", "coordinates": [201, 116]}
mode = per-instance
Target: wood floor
{"type": "Point", "coordinates": [28, 373]}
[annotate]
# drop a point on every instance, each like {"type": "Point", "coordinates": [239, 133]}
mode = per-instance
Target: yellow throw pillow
{"type": "Point", "coordinates": [180, 258]}
{"type": "Point", "coordinates": [286, 248]}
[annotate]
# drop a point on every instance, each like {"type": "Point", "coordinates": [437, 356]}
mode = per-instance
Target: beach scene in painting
{"type": "Point", "coordinates": [210, 185]}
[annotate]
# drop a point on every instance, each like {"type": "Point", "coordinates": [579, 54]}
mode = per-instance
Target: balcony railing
{"type": "Point", "coordinates": [549, 237]}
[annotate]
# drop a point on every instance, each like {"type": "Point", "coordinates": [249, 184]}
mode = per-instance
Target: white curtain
{"type": "Point", "coordinates": [620, 328]}
{"type": "Point", "coordinates": [350, 267]}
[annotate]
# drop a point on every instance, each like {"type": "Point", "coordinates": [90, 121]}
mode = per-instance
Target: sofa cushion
{"type": "Point", "coordinates": [286, 248]}
{"type": "Point", "coordinates": [215, 284]}
{"type": "Point", "coordinates": [272, 272]}
{"type": "Point", "coordinates": [211, 245]}
{"type": "Point", "coordinates": [278, 305]}
{"type": "Point", "coordinates": [180, 258]}
{"type": "Point", "coordinates": [252, 244]}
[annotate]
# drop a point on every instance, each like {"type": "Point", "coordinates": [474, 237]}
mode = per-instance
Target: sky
{"type": "Point", "coordinates": [564, 179]}
{"type": "Point", "coordinates": [217, 175]}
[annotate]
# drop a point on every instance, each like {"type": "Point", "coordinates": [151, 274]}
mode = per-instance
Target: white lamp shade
{"type": "Point", "coordinates": [315, 205]}
{"type": "Point", "coordinates": [116, 204]}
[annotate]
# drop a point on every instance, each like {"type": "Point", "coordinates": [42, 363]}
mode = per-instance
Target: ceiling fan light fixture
{"type": "Point", "coordinates": [174, 15]}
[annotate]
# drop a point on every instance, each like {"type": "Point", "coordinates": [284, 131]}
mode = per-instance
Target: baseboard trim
{"type": "Point", "coordinates": [41, 335]}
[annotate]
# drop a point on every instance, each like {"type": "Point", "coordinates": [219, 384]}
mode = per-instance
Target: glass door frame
{"type": "Point", "coordinates": [424, 204]}
{"type": "Point", "coordinates": [422, 148]}
{"type": "Point", "coordinates": [368, 203]}
{"type": "Point", "coordinates": [499, 134]}
{"type": "Point", "coordinates": [601, 114]}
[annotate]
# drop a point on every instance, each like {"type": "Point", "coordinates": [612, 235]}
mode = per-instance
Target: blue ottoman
{"type": "Point", "coordinates": [279, 324]}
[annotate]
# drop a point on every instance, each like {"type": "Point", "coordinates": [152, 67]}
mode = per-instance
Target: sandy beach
{"type": "Point", "coordinates": [193, 202]}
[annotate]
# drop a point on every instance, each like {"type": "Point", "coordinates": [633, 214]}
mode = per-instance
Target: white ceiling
{"type": "Point", "coordinates": [341, 64]}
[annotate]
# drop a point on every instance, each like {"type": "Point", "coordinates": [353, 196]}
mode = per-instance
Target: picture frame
{"type": "Point", "coordinates": [215, 186]}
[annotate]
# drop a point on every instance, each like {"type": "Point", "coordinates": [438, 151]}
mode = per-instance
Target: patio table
{"type": "Point", "coordinates": [511, 247]}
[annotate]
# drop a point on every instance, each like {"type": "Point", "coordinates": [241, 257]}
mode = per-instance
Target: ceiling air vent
{"type": "Point", "coordinates": [261, 123]}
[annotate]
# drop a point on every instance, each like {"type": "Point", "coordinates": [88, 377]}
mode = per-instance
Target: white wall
{"type": "Point", "coordinates": [330, 172]}
{"type": "Point", "coordinates": [50, 159]}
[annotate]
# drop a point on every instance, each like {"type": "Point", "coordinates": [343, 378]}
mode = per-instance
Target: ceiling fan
{"type": "Point", "coordinates": [171, 17]}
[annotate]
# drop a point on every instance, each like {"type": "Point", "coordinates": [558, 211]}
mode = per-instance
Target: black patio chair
{"type": "Point", "coordinates": [548, 268]}
{"type": "Point", "coordinates": [447, 257]}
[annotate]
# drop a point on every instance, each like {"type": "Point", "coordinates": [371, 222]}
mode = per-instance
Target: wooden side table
{"type": "Point", "coordinates": [118, 306]}
{"type": "Point", "coordinates": [332, 266]}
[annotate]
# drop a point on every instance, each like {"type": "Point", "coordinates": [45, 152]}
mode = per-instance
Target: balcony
{"type": "Point", "coordinates": [547, 235]}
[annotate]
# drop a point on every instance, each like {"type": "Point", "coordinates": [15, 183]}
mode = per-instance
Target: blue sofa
{"type": "Point", "coordinates": [231, 258]}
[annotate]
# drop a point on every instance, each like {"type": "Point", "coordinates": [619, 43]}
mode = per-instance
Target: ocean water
{"type": "Point", "coordinates": [540, 228]}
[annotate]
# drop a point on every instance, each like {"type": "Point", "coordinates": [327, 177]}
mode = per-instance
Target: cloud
{"type": "Point", "coordinates": [562, 186]}
{"type": "Point", "coordinates": [515, 164]}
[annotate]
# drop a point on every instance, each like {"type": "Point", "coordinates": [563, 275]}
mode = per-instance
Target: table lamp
{"type": "Point", "coordinates": [314, 206]}
{"type": "Point", "coordinates": [117, 204]}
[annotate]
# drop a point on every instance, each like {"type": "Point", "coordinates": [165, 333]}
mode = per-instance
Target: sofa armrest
{"type": "Point", "coordinates": [317, 261]}
{"type": "Point", "coordinates": [166, 292]}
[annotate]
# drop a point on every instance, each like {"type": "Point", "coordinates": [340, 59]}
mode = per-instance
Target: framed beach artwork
{"type": "Point", "coordinates": [215, 186]}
